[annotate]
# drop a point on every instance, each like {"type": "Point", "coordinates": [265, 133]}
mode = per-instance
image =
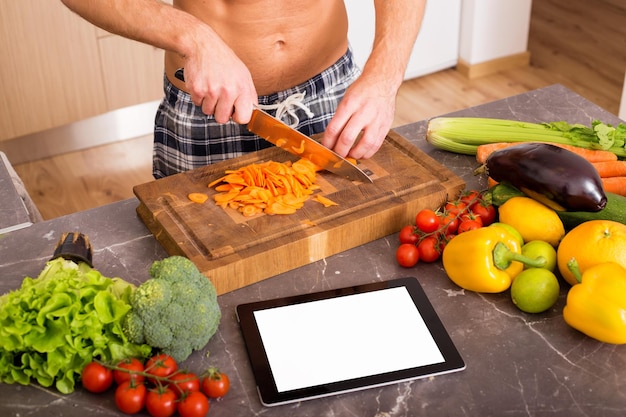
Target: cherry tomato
{"type": "Point", "coordinates": [472, 217]}
{"type": "Point", "coordinates": [429, 250]}
{"type": "Point", "coordinates": [407, 255]}
{"type": "Point", "coordinates": [182, 382]}
{"type": "Point", "coordinates": [196, 404]}
{"type": "Point", "coordinates": [486, 212]}
{"type": "Point", "coordinates": [427, 221]}
{"type": "Point", "coordinates": [455, 207]}
{"type": "Point", "coordinates": [161, 402]}
{"type": "Point", "coordinates": [449, 222]}
{"type": "Point", "coordinates": [216, 384]}
{"type": "Point", "coordinates": [408, 234]}
{"type": "Point", "coordinates": [469, 224]}
{"type": "Point", "coordinates": [470, 197]}
{"type": "Point", "coordinates": [161, 365]}
{"type": "Point", "coordinates": [96, 377]}
{"type": "Point", "coordinates": [130, 397]}
{"type": "Point", "coordinates": [131, 366]}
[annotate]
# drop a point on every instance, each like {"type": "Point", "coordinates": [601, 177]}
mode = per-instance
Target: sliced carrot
{"type": "Point", "coordinates": [615, 185]}
{"type": "Point", "coordinates": [591, 155]}
{"type": "Point", "coordinates": [198, 197]}
{"type": "Point", "coordinates": [611, 168]}
{"type": "Point", "coordinates": [269, 187]}
{"type": "Point", "coordinates": [327, 202]}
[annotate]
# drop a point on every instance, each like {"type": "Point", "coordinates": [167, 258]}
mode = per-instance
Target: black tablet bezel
{"type": "Point", "coordinates": [261, 369]}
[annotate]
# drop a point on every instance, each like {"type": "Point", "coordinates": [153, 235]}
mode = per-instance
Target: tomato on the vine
{"type": "Point", "coordinates": [96, 377]}
{"type": "Point", "coordinates": [407, 255]}
{"type": "Point", "coordinates": [427, 220]}
{"type": "Point", "coordinates": [408, 234]}
{"type": "Point", "coordinates": [429, 250]}
{"type": "Point", "coordinates": [469, 224]}
{"type": "Point", "coordinates": [470, 216]}
{"type": "Point", "coordinates": [216, 384]}
{"type": "Point", "coordinates": [486, 212]}
{"type": "Point", "coordinates": [161, 365]}
{"type": "Point", "coordinates": [183, 382]}
{"type": "Point", "coordinates": [161, 402]}
{"type": "Point", "coordinates": [130, 368]}
{"type": "Point", "coordinates": [455, 207]}
{"type": "Point", "coordinates": [449, 222]}
{"type": "Point", "coordinates": [130, 397]}
{"type": "Point", "coordinates": [195, 404]}
{"type": "Point", "coordinates": [470, 197]}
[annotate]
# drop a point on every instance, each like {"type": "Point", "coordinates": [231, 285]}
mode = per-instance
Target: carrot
{"type": "Point", "coordinates": [611, 168]}
{"type": "Point", "coordinates": [269, 187]}
{"type": "Point", "coordinates": [483, 151]}
{"type": "Point", "coordinates": [198, 197]}
{"type": "Point", "coordinates": [327, 202]}
{"type": "Point", "coordinates": [615, 185]}
{"type": "Point", "coordinates": [591, 155]}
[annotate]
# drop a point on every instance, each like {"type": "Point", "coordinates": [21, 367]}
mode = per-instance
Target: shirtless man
{"type": "Point", "coordinates": [241, 53]}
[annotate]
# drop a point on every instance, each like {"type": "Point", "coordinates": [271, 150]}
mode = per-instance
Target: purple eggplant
{"type": "Point", "coordinates": [557, 177]}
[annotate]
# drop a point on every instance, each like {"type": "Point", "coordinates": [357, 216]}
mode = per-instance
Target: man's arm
{"type": "Point", "coordinates": [206, 56]}
{"type": "Point", "coordinates": [369, 103]}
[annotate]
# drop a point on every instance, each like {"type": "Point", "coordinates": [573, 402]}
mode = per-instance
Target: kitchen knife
{"type": "Point", "coordinates": [275, 131]}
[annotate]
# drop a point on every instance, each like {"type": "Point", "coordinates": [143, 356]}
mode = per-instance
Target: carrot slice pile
{"type": "Point", "coordinates": [268, 187]}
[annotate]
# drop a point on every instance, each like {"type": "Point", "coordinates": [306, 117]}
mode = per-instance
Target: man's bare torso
{"type": "Point", "coordinates": [282, 42]}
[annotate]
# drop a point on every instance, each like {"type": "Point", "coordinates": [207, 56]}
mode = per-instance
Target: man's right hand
{"type": "Point", "coordinates": [220, 83]}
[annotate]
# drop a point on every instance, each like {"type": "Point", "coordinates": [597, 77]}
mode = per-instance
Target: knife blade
{"type": "Point", "coordinates": [285, 137]}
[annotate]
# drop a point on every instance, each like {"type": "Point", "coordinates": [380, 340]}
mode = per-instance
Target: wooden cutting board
{"type": "Point", "coordinates": [234, 251]}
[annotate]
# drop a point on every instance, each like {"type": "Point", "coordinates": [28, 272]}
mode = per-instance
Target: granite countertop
{"type": "Point", "coordinates": [517, 364]}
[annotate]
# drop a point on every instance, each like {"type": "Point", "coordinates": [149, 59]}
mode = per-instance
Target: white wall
{"type": "Point", "coordinates": [492, 29]}
{"type": "Point", "coordinates": [437, 45]}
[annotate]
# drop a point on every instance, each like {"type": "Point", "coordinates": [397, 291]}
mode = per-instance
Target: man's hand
{"type": "Point", "coordinates": [365, 113]}
{"type": "Point", "coordinates": [220, 83]}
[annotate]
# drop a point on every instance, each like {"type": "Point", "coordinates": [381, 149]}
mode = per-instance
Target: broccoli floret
{"type": "Point", "coordinates": [132, 326]}
{"type": "Point", "coordinates": [176, 310]}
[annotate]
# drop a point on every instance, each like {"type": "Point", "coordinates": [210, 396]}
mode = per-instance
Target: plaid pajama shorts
{"type": "Point", "coordinates": [185, 138]}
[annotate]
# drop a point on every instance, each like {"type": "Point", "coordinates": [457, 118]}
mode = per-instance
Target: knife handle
{"type": "Point", "coordinates": [180, 74]}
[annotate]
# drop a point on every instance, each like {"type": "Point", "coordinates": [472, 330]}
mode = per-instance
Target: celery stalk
{"type": "Point", "coordinates": [460, 134]}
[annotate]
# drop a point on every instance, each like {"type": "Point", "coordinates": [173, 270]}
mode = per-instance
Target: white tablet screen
{"type": "Point", "coordinates": [338, 339]}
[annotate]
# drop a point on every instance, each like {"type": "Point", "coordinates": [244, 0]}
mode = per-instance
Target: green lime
{"type": "Point", "coordinates": [511, 230]}
{"type": "Point", "coordinates": [535, 290]}
{"type": "Point", "coordinates": [539, 248]}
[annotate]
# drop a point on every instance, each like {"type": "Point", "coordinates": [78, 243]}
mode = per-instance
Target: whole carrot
{"type": "Point", "coordinates": [615, 185]}
{"type": "Point", "coordinates": [591, 155]}
{"type": "Point", "coordinates": [610, 168]}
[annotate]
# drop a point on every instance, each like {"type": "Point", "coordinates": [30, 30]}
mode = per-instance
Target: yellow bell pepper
{"type": "Point", "coordinates": [597, 306]}
{"type": "Point", "coordinates": [485, 260]}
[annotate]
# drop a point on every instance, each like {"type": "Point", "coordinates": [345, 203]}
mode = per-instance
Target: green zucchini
{"type": "Point", "coordinates": [615, 210]}
{"type": "Point", "coordinates": [501, 192]}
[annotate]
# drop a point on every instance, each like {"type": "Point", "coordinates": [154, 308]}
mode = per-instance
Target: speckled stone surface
{"type": "Point", "coordinates": [517, 364]}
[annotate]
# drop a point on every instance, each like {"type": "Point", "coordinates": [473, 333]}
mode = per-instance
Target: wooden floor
{"type": "Point", "coordinates": [571, 43]}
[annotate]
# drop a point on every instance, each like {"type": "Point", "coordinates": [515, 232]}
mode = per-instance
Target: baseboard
{"type": "Point", "coordinates": [493, 66]}
{"type": "Point", "coordinates": [125, 123]}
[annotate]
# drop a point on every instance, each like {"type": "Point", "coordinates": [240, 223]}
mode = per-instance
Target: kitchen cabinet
{"type": "Point", "coordinates": [58, 68]}
{"type": "Point", "coordinates": [437, 45]}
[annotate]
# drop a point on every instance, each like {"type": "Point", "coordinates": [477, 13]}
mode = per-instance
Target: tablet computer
{"type": "Point", "coordinates": [314, 345]}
